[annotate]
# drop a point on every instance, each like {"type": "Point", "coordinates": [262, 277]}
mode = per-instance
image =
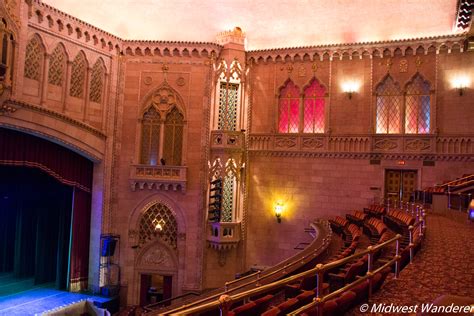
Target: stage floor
{"type": "Point", "coordinates": [40, 299]}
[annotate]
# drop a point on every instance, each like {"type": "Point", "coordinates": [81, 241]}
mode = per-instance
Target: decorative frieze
{"type": "Point", "coordinates": [363, 146]}
{"type": "Point", "coordinates": [167, 178]}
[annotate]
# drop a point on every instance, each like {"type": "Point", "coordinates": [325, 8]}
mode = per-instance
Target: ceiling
{"type": "Point", "coordinates": [267, 23]}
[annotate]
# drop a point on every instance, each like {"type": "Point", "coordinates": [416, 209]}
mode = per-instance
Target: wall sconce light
{"type": "Point", "coordinates": [461, 83]}
{"type": "Point", "coordinates": [350, 87]}
{"type": "Point", "coordinates": [278, 211]}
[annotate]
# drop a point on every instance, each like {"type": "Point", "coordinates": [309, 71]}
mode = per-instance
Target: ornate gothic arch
{"type": "Point", "coordinates": [165, 95]}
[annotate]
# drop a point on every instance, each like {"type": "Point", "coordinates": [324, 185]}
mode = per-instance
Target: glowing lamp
{"type": "Point", "coordinates": [470, 213]}
{"type": "Point", "coordinates": [350, 87]}
{"type": "Point", "coordinates": [461, 83]}
{"type": "Point", "coordinates": [278, 211]}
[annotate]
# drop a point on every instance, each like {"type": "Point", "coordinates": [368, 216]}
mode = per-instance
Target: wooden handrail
{"type": "Point", "coordinates": [320, 268]}
{"type": "Point", "coordinates": [256, 282]}
{"type": "Point", "coordinates": [449, 183]}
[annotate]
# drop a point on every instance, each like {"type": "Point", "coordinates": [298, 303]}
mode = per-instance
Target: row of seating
{"type": "Point", "coordinates": [375, 210]}
{"type": "Point", "coordinates": [356, 217]}
{"type": "Point", "coordinates": [374, 228]}
{"type": "Point", "coordinates": [458, 182]}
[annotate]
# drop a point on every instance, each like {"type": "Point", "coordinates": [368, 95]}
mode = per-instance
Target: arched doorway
{"type": "Point", "coordinates": [156, 263]}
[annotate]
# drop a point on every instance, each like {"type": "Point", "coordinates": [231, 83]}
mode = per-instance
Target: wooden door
{"type": "Point", "coordinates": [400, 184]}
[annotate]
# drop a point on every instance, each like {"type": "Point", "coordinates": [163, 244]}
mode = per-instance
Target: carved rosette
{"type": "Point", "coordinates": [285, 142]}
{"type": "Point", "coordinates": [312, 143]}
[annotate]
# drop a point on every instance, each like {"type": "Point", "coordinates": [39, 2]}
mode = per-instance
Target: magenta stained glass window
{"type": "Point", "coordinates": [289, 108]}
{"type": "Point", "coordinates": [388, 107]}
{"type": "Point", "coordinates": [314, 104]}
{"type": "Point", "coordinates": [417, 106]}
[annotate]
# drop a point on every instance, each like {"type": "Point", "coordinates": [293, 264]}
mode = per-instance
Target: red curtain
{"type": "Point", "coordinates": [68, 167]}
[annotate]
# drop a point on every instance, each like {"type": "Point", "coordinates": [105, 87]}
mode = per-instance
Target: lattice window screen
{"type": "Point", "coordinates": [97, 77]}
{"type": "Point", "coordinates": [150, 141]}
{"type": "Point", "coordinates": [158, 222]}
{"type": "Point", "coordinates": [228, 104]}
{"type": "Point", "coordinates": [78, 76]}
{"type": "Point", "coordinates": [289, 104]}
{"type": "Point", "coordinates": [57, 63]}
{"type": "Point", "coordinates": [173, 138]}
{"type": "Point", "coordinates": [417, 106]}
{"type": "Point", "coordinates": [388, 107]}
{"type": "Point", "coordinates": [314, 107]}
{"type": "Point", "coordinates": [228, 197]}
{"type": "Point", "coordinates": [33, 59]}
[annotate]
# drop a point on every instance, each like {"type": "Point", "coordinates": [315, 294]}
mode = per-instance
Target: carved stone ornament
{"type": "Point", "coordinates": [158, 256]}
{"type": "Point", "coordinates": [180, 81]}
{"type": "Point", "coordinates": [403, 65]}
{"type": "Point", "coordinates": [302, 71]}
{"type": "Point", "coordinates": [385, 144]}
{"type": "Point", "coordinates": [148, 80]}
{"type": "Point", "coordinates": [285, 142]}
{"type": "Point", "coordinates": [312, 143]}
{"type": "Point", "coordinates": [418, 145]}
{"type": "Point", "coordinates": [7, 109]}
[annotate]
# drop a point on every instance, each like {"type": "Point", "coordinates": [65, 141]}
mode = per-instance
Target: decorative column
{"type": "Point", "coordinates": [87, 93]}
{"type": "Point", "coordinates": [44, 83]}
{"type": "Point", "coordinates": [67, 84]}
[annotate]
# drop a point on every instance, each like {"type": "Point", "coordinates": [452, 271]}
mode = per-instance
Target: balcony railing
{"type": "Point", "coordinates": [168, 178]}
{"type": "Point", "coordinates": [428, 144]}
{"type": "Point", "coordinates": [227, 140]}
{"type": "Point", "coordinates": [223, 235]}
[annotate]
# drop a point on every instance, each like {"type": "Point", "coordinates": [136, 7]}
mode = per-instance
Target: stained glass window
{"type": "Point", "coordinates": [57, 63]}
{"type": "Point", "coordinates": [150, 137]}
{"type": "Point", "coordinates": [314, 104]}
{"type": "Point", "coordinates": [173, 140]}
{"type": "Point", "coordinates": [389, 101]}
{"type": "Point", "coordinates": [289, 108]}
{"type": "Point", "coordinates": [417, 106]}
{"type": "Point", "coordinates": [228, 198]}
{"type": "Point", "coordinates": [33, 59]}
{"type": "Point", "coordinates": [228, 103]}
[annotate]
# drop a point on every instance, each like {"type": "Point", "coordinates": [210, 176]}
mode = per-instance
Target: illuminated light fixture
{"type": "Point", "coordinates": [278, 211]}
{"type": "Point", "coordinates": [350, 87]}
{"type": "Point", "coordinates": [461, 83]}
{"type": "Point", "coordinates": [158, 225]}
{"type": "Point", "coordinates": [470, 213]}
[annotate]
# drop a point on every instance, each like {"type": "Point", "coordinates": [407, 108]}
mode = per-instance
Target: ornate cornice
{"type": "Point", "coordinates": [15, 104]}
{"type": "Point", "coordinates": [368, 155]}
{"type": "Point", "coordinates": [360, 50]}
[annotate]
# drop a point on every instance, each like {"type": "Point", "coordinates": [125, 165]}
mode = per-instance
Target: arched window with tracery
{"type": "Point", "coordinates": [158, 222]}
{"type": "Point", "coordinates": [34, 59]}
{"type": "Point", "coordinates": [97, 81]}
{"type": "Point", "coordinates": [314, 107]}
{"type": "Point", "coordinates": [289, 108]}
{"type": "Point", "coordinates": [78, 76]}
{"type": "Point", "coordinates": [417, 106]}
{"type": "Point", "coordinates": [6, 51]}
{"type": "Point", "coordinates": [173, 139]}
{"type": "Point", "coordinates": [57, 65]}
{"type": "Point", "coordinates": [389, 101]}
{"type": "Point", "coordinates": [3, 59]}
{"type": "Point", "coordinates": [151, 130]}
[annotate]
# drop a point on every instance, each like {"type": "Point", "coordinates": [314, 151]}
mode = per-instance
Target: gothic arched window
{"type": "Point", "coordinates": [173, 139]}
{"type": "Point", "coordinates": [417, 106]}
{"type": "Point", "coordinates": [389, 101]}
{"type": "Point", "coordinates": [97, 81]}
{"type": "Point", "coordinates": [151, 130]}
{"type": "Point", "coordinates": [158, 222]}
{"type": "Point", "coordinates": [289, 108]}
{"type": "Point", "coordinates": [33, 59]}
{"type": "Point", "coordinates": [78, 76]}
{"type": "Point", "coordinates": [314, 107]}
{"type": "Point", "coordinates": [57, 64]}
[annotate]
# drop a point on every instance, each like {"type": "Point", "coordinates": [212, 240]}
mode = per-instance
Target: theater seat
{"type": "Point", "coordinates": [345, 301]}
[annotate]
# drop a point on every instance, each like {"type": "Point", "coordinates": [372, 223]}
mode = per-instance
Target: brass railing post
{"type": "Point", "coordinates": [319, 283]}
{"type": "Point", "coordinates": [225, 302]}
{"type": "Point", "coordinates": [258, 279]}
{"type": "Point", "coordinates": [369, 268]}
{"type": "Point", "coordinates": [397, 262]}
{"type": "Point", "coordinates": [410, 245]}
